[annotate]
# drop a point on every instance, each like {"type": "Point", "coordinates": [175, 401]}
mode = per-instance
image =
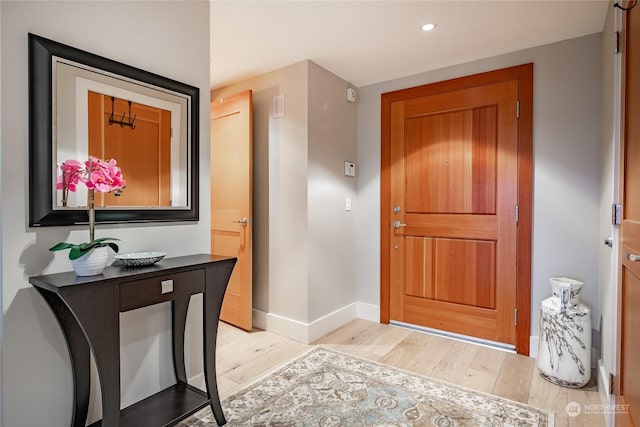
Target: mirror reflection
{"type": "Point", "coordinates": [82, 104]}
{"type": "Point", "coordinates": [145, 129]}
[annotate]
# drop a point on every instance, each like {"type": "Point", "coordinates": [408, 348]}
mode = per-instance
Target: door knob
{"type": "Point", "coordinates": [398, 224]}
{"type": "Point", "coordinates": [242, 221]}
{"type": "Point", "coordinates": [633, 257]}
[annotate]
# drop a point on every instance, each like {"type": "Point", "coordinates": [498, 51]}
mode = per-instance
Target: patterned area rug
{"type": "Point", "coordinates": [326, 388]}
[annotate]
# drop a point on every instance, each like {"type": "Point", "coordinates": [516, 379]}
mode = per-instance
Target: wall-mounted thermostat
{"type": "Point", "coordinates": [349, 169]}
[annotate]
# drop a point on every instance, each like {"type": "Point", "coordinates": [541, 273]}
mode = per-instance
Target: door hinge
{"type": "Point", "coordinates": [616, 214]}
{"type": "Point", "coordinates": [517, 213]}
{"type": "Point", "coordinates": [515, 317]}
{"type": "Point", "coordinates": [611, 383]}
{"type": "Point", "coordinates": [517, 109]}
{"type": "Point", "coordinates": [618, 49]}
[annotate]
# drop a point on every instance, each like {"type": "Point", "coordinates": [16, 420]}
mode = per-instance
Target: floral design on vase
{"type": "Point", "coordinates": [564, 355]}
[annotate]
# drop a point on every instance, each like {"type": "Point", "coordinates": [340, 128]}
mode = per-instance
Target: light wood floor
{"type": "Point", "coordinates": [243, 357]}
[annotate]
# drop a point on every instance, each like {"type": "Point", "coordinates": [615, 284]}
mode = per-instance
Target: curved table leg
{"type": "Point", "coordinates": [78, 354]}
{"type": "Point", "coordinates": [179, 309]}
{"type": "Point", "coordinates": [216, 280]}
{"type": "Point", "coordinates": [97, 310]}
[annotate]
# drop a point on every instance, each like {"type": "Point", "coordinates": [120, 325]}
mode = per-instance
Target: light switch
{"type": "Point", "coordinates": [167, 286]}
{"type": "Point", "coordinates": [347, 205]}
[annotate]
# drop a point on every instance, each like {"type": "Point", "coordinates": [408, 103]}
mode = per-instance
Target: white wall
{"type": "Point", "coordinates": [332, 141]}
{"type": "Point", "coordinates": [280, 161]}
{"type": "Point", "coordinates": [164, 37]}
{"type": "Point", "coordinates": [566, 145]}
{"type": "Point", "coordinates": [304, 238]}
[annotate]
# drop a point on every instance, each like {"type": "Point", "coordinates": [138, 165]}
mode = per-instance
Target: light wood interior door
{"type": "Point", "coordinates": [628, 389]}
{"type": "Point", "coordinates": [149, 180]}
{"type": "Point", "coordinates": [231, 200]}
{"type": "Point", "coordinates": [451, 218]}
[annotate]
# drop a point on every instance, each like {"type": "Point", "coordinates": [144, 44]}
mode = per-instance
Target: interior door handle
{"type": "Point", "coordinates": [633, 257]}
{"type": "Point", "coordinates": [398, 224]}
{"type": "Point", "coordinates": [242, 221]}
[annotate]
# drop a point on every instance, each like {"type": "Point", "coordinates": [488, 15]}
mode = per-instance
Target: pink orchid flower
{"type": "Point", "coordinates": [105, 176]}
{"type": "Point", "coordinates": [71, 175]}
{"type": "Point", "coordinates": [99, 175]}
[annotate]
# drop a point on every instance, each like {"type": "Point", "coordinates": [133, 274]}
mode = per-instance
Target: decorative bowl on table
{"type": "Point", "coordinates": [140, 259]}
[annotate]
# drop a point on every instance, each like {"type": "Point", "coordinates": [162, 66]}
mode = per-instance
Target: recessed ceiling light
{"type": "Point", "coordinates": [429, 27]}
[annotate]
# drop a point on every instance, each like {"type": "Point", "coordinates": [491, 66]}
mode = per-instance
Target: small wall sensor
{"type": "Point", "coordinates": [349, 169]}
{"type": "Point", "coordinates": [351, 94]}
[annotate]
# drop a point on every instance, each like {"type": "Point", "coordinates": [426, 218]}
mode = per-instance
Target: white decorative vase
{"type": "Point", "coordinates": [92, 263]}
{"type": "Point", "coordinates": [564, 354]}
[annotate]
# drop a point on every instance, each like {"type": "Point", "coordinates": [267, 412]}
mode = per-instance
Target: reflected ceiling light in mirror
{"type": "Point", "coordinates": [429, 26]}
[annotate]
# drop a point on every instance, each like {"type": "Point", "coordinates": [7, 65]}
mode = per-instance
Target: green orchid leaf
{"type": "Point", "coordinates": [114, 246]}
{"type": "Point", "coordinates": [86, 246]}
{"type": "Point", "coordinates": [60, 246]}
{"type": "Point", "coordinates": [76, 252]}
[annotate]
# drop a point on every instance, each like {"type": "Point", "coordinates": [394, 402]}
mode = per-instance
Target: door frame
{"type": "Point", "coordinates": [524, 75]}
{"type": "Point", "coordinates": [622, 418]}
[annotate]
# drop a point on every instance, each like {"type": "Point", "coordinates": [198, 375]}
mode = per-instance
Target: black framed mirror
{"type": "Point", "coordinates": [82, 104]}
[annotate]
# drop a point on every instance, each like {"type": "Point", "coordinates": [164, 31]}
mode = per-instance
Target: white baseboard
{"type": "Point", "coordinates": [259, 319]}
{"type": "Point", "coordinates": [304, 332]}
{"type": "Point", "coordinates": [332, 321]}
{"type": "Point", "coordinates": [289, 328]}
{"type": "Point", "coordinates": [607, 399]}
{"type": "Point", "coordinates": [309, 332]}
{"type": "Point", "coordinates": [533, 346]}
{"type": "Point", "coordinates": [368, 311]}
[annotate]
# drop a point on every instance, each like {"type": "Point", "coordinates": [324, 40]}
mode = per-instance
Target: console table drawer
{"type": "Point", "coordinates": [141, 293]}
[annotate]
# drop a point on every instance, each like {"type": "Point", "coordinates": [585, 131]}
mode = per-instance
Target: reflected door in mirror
{"type": "Point", "coordinates": [160, 187]}
{"type": "Point", "coordinates": [139, 137]}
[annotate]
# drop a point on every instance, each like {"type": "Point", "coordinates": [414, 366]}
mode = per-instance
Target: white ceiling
{"type": "Point", "coordinates": [366, 42]}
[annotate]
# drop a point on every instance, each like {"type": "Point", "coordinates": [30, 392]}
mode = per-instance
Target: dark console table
{"type": "Point", "coordinates": [88, 308]}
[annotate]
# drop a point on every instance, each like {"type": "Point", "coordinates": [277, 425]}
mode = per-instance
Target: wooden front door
{"type": "Point", "coordinates": [231, 200]}
{"type": "Point", "coordinates": [452, 208]}
{"type": "Point", "coordinates": [628, 389]}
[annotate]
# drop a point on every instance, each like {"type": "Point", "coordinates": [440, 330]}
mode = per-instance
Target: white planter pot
{"type": "Point", "coordinates": [92, 263]}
